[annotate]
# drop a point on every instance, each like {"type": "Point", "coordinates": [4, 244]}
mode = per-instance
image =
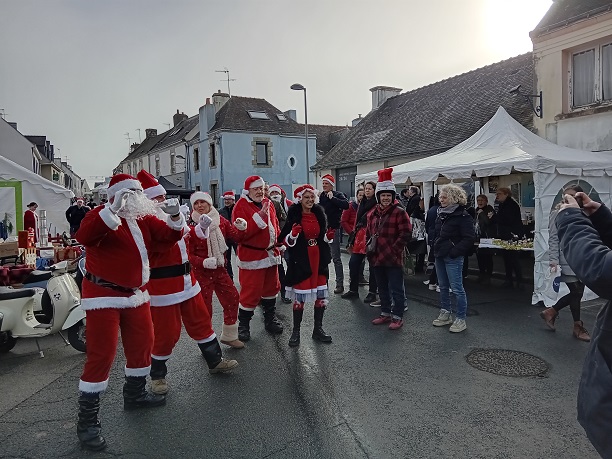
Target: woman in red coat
{"type": "Point", "coordinates": [30, 219]}
{"type": "Point", "coordinates": [207, 257]}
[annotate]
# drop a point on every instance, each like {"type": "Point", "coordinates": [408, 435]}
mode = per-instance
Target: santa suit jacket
{"type": "Point", "coordinates": [168, 291]}
{"type": "Point", "coordinates": [257, 245]}
{"type": "Point", "coordinates": [198, 243]}
{"type": "Point", "coordinates": [30, 220]}
{"type": "Point", "coordinates": [117, 252]}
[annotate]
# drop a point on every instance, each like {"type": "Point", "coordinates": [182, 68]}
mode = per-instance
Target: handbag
{"type": "Point", "coordinates": [408, 265]}
{"type": "Point", "coordinates": [552, 280]}
{"type": "Point", "coordinates": [372, 243]}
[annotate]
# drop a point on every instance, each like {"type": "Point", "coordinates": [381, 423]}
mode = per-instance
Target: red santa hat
{"type": "Point", "coordinates": [151, 186]}
{"type": "Point", "coordinates": [121, 181]}
{"type": "Point", "coordinates": [276, 188]}
{"type": "Point", "coordinates": [300, 190]}
{"type": "Point", "coordinates": [229, 195]}
{"type": "Point", "coordinates": [254, 181]}
{"type": "Point", "coordinates": [385, 182]}
{"type": "Point", "coordinates": [329, 179]}
{"type": "Point", "coordinates": [203, 195]}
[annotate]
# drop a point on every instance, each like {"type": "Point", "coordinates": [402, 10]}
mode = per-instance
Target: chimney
{"type": "Point", "coordinates": [356, 121]}
{"type": "Point", "coordinates": [380, 94]}
{"type": "Point", "coordinates": [219, 99]}
{"type": "Point", "coordinates": [150, 133]}
{"type": "Point", "coordinates": [178, 117]}
{"type": "Point", "coordinates": [134, 147]}
{"type": "Point", "coordinates": [291, 114]}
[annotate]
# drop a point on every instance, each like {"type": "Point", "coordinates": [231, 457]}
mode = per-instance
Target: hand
{"type": "Point", "coordinates": [296, 229]}
{"type": "Point", "coordinates": [184, 209]}
{"type": "Point", "coordinates": [588, 205]}
{"type": "Point", "coordinates": [490, 215]}
{"type": "Point", "coordinates": [171, 206]}
{"type": "Point", "coordinates": [330, 194]}
{"type": "Point", "coordinates": [121, 197]}
{"type": "Point", "coordinates": [330, 234]}
{"type": "Point", "coordinates": [205, 222]}
{"type": "Point", "coordinates": [569, 202]}
{"type": "Point", "coordinates": [553, 266]}
{"type": "Point", "coordinates": [240, 224]}
{"type": "Point", "coordinates": [265, 210]}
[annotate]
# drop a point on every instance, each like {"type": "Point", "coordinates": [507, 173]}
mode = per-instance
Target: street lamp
{"type": "Point", "coordinates": [299, 87]}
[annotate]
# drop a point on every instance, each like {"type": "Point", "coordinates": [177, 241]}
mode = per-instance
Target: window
{"type": "Point", "coordinates": [258, 115]}
{"type": "Point", "coordinates": [172, 163]}
{"type": "Point", "coordinates": [262, 153]}
{"type": "Point", "coordinates": [212, 154]}
{"type": "Point", "coordinates": [157, 166]}
{"type": "Point", "coordinates": [281, 117]}
{"type": "Point", "coordinates": [591, 76]}
{"type": "Point", "coordinates": [129, 171]}
{"type": "Point", "coordinates": [140, 164]}
{"type": "Point", "coordinates": [198, 188]}
{"type": "Point", "coordinates": [213, 193]}
{"type": "Point", "coordinates": [196, 159]}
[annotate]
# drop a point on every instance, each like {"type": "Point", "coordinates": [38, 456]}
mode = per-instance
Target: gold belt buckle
{"type": "Point", "coordinates": [312, 242]}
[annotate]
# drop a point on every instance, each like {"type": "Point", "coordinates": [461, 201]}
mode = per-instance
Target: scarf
{"type": "Point", "coordinates": [444, 212]}
{"type": "Point", "coordinates": [216, 242]}
{"type": "Point", "coordinates": [364, 207]}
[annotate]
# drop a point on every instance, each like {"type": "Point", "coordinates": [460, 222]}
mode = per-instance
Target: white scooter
{"type": "Point", "coordinates": [34, 312]}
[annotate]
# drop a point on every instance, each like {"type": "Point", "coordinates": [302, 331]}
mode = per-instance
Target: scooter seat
{"type": "Point", "coordinates": [14, 293]}
{"type": "Point", "coordinates": [37, 276]}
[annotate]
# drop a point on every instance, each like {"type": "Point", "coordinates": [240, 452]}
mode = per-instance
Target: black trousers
{"type": "Point", "coordinates": [485, 261]}
{"type": "Point", "coordinates": [355, 271]}
{"type": "Point", "coordinates": [512, 263]}
{"type": "Point", "coordinates": [572, 299]}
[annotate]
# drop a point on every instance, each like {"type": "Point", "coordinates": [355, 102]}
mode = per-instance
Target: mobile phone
{"type": "Point", "coordinates": [579, 201]}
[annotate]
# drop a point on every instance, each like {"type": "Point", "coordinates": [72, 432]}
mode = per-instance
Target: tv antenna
{"type": "Point", "coordinates": [129, 139]}
{"type": "Point", "coordinates": [228, 79]}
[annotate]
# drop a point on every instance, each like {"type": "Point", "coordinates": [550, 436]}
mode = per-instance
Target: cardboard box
{"type": "Point", "coordinates": [9, 249]}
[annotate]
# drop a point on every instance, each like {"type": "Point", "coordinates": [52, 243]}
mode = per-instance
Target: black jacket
{"type": "Point", "coordinates": [454, 234]}
{"type": "Point", "coordinates": [226, 212]}
{"type": "Point", "coordinates": [586, 245]}
{"type": "Point", "coordinates": [413, 207]}
{"type": "Point", "coordinates": [508, 220]}
{"type": "Point", "coordinates": [74, 215]}
{"type": "Point", "coordinates": [298, 265]}
{"type": "Point", "coordinates": [333, 207]}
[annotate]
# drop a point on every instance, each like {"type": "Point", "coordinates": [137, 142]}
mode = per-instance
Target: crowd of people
{"type": "Point", "coordinates": [153, 266]}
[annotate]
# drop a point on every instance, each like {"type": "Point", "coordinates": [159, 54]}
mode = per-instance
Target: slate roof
{"type": "Point", "coordinates": [327, 135]}
{"type": "Point", "coordinates": [435, 118]}
{"type": "Point", "coordinates": [178, 132]}
{"type": "Point", "coordinates": [565, 12]}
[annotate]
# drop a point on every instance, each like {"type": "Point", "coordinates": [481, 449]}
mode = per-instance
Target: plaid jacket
{"type": "Point", "coordinates": [393, 235]}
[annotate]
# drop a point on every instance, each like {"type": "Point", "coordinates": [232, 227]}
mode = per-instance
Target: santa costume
{"type": "Point", "coordinates": [207, 251]}
{"type": "Point", "coordinates": [176, 300]}
{"type": "Point", "coordinates": [306, 236]}
{"type": "Point", "coordinates": [117, 237]}
{"type": "Point", "coordinates": [258, 256]}
{"type": "Point", "coordinates": [30, 220]}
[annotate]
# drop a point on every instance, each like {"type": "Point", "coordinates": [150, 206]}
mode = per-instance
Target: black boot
{"type": "Point", "coordinates": [271, 322]}
{"type": "Point", "coordinates": [88, 425]}
{"type": "Point", "coordinates": [244, 319]}
{"type": "Point", "coordinates": [297, 320]}
{"type": "Point", "coordinates": [135, 394]}
{"type": "Point", "coordinates": [318, 333]}
{"type": "Point", "coordinates": [214, 357]}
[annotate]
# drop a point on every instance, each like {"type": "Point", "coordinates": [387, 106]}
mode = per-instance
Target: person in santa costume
{"type": "Point", "coordinates": [229, 201]}
{"type": "Point", "coordinates": [207, 249]}
{"type": "Point", "coordinates": [281, 206]}
{"type": "Point", "coordinates": [258, 256]}
{"type": "Point", "coordinates": [118, 237]}
{"type": "Point", "coordinates": [175, 298]}
{"type": "Point", "coordinates": [307, 237]}
{"type": "Point", "coordinates": [30, 220]}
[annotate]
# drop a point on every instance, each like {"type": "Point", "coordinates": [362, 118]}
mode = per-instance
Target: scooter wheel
{"type": "Point", "coordinates": [76, 336]}
{"type": "Point", "coordinates": [7, 342]}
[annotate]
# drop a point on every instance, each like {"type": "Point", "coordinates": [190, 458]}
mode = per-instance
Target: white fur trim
{"type": "Point", "coordinates": [202, 234]}
{"type": "Point", "coordinates": [259, 221]}
{"type": "Point", "coordinates": [115, 302]}
{"type": "Point", "coordinates": [142, 249]}
{"type": "Point", "coordinates": [171, 299]}
{"type": "Point", "coordinates": [210, 263]}
{"type": "Point", "coordinates": [328, 240]}
{"type": "Point", "coordinates": [274, 188]}
{"type": "Point", "coordinates": [257, 183]}
{"type": "Point", "coordinates": [244, 308]}
{"type": "Point", "coordinates": [200, 195]}
{"type": "Point", "coordinates": [155, 191]}
{"type": "Point", "coordinates": [273, 297]}
{"type": "Point", "coordinates": [144, 371]}
{"type": "Point", "coordinates": [325, 179]}
{"type": "Point", "coordinates": [207, 340]}
{"type": "Point", "coordinates": [131, 184]}
{"type": "Point", "coordinates": [270, 260]}
{"type": "Point", "coordinates": [290, 238]}
{"type": "Point", "coordinates": [92, 387]}
{"type": "Point", "coordinates": [161, 357]}
{"type": "Point", "coordinates": [109, 218]}
{"type": "Point", "coordinates": [229, 332]}
{"type": "Point", "coordinates": [178, 224]}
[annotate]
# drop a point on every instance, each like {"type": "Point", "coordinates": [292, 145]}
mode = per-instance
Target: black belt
{"type": "Point", "coordinates": [256, 248]}
{"type": "Point", "coordinates": [104, 283]}
{"type": "Point", "coordinates": [170, 271]}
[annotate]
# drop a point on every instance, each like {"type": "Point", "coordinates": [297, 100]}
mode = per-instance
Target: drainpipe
{"type": "Point", "coordinates": [221, 174]}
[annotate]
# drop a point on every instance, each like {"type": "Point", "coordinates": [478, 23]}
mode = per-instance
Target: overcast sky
{"type": "Point", "coordinates": [85, 72]}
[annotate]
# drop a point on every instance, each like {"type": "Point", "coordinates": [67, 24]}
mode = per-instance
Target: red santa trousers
{"type": "Point", "coordinates": [256, 284]}
{"type": "Point", "coordinates": [167, 325]}
{"type": "Point", "coordinates": [102, 336]}
{"type": "Point", "coordinates": [219, 281]}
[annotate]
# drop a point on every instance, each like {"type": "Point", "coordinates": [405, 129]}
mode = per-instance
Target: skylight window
{"type": "Point", "coordinates": [281, 117]}
{"type": "Point", "coordinates": [256, 115]}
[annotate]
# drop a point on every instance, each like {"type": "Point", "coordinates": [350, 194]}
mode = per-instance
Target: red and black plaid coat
{"type": "Point", "coordinates": [393, 235]}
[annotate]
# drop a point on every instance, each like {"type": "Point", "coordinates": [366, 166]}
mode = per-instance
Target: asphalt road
{"type": "Point", "coordinates": [372, 393]}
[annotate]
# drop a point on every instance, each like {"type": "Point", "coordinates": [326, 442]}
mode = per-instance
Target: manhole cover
{"type": "Point", "coordinates": [507, 363]}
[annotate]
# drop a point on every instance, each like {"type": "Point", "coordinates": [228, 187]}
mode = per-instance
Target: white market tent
{"type": "Point", "coordinates": [503, 146]}
{"type": "Point", "coordinates": [19, 187]}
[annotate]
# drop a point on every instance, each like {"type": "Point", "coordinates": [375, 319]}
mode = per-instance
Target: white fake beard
{"type": "Point", "coordinates": [276, 198]}
{"type": "Point", "coordinates": [138, 206]}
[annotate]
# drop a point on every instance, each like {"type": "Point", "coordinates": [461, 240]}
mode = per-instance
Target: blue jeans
{"type": "Point", "coordinates": [334, 246]}
{"type": "Point", "coordinates": [390, 281]}
{"type": "Point", "coordinates": [450, 274]}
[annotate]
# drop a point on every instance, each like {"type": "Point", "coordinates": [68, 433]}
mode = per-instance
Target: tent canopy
{"type": "Point", "coordinates": [500, 147]}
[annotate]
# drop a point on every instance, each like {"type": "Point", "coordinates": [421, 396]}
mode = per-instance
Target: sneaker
{"type": "Point", "coordinates": [434, 287]}
{"type": "Point", "coordinates": [458, 326]}
{"type": "Point", "coordinates": [438, 288]}
{"type": "Point", "coordinates": [350, 295]}
{"type": "Point", "coordinates": [159, 386]}
{"type": "Point", "coordinates": [445, 318]}
{"type": "Point", "coordinates": [380, 320]}
{"type": "Point", "coordinates": [369, 297]}
{"type": "Point", "coordinates": [375, 304]}
{"type": "Point", "coordinates": [224, 366]}
{"type": "Point", "coordinates": [396, 324]}
{"type": "Point", "coordinates": [426, 282]}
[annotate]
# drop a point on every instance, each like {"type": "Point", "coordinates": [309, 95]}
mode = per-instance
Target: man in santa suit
{"type": "Point", "coordinates": [175, 298]}
{"type": "Point", "coordinates": [258, 257]}
{"type": "Point", "coordinates": [117, 237]}
{"type": "Point", "coordinates": [30, 220]}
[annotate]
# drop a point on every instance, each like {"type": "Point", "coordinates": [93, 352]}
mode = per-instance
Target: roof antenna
{"type": "Point", "coordinates": [228, 79]}
{"type": "Point", "coordinates": [129, 139]}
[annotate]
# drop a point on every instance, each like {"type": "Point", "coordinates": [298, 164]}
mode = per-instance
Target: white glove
{"type": "Point", "coordinates": [184, 209]}
{"type": "Point", "coordinates": [205, 222]}
{"type": "Point", "coordinates": [282, 248]}
{"type": "Point", "coordinates": [121, 197]}
{"type": "Point", "coordinates": [330, 194]}
{"type": "Point", "coordinates": [210, 263]}
{"type": "Point", "coordinates": [171, 206]}
{"type": "Point", "coordinates": [240, 224]}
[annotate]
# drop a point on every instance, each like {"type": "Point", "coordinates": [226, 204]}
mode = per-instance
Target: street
{"type": "Point", "coordinates": [372, 393]}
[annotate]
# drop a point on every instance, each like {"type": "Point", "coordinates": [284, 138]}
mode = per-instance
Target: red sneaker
{"type": "Point", "coordinates": [381, 320]}
{"type": "Point", "coordinates": [396, 324]}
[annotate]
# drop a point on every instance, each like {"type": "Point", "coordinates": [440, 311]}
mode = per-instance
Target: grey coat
{"type": "Point", "coordinates": [555, 255]}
